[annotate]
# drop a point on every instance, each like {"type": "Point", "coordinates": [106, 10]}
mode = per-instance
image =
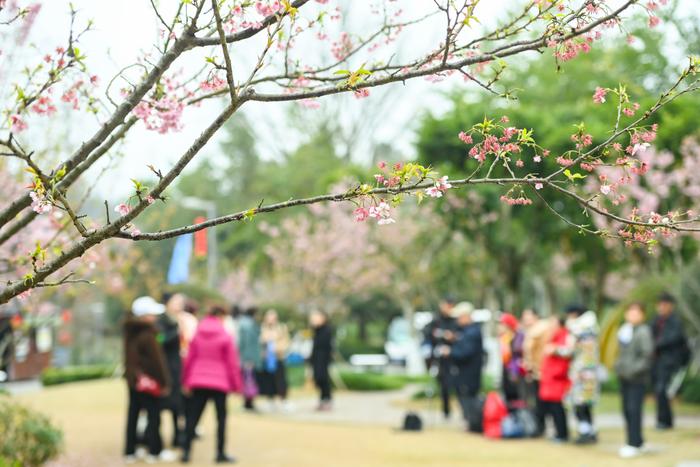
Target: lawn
{"type": "Point", "coordinates": [92, 415]}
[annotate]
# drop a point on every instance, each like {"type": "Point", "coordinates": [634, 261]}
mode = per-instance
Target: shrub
{"type": "Point", "coordinates": [371, 381]}
{"type": "Point", "coordinates": [691, 390]}
{"type": "Point", "coordinates": [28, 438]}
{"type": "Point", "coordinates": [69, 374]}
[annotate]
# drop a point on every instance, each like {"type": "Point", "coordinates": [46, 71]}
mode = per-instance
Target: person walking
{"type": "Point", "coordinates": [585, 390]}
{"type": "Point", "coordinates": [211, 371]}
{"type": "Point", "coordinates": [251, 355]}
{"type": "Point", "coordinates": [555, 382]}
{"type": "Point", "coordinates": [321, 356]}
{"type": "Point", "coordinates": [671, 353]}
{"type": "Point", "coordinates": [274, 338]}
{"type": "Point", "coordinates": [466, 354]}
{"type": "Point", "coordinates": [633, 365]}
{"type": "Point", "coordinates": [537, 334]}
{"type": "Point", "coordinates": [169, 339]}
{"type": "Point", "coordinates": [146, 376]}
{"type": "Point", "coordinates": [437, 335]}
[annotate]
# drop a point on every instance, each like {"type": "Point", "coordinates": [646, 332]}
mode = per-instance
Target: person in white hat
{"type": "Point", "coordinates": [146, 376]}
{"type": "Point", "coordinates": [466, 357]}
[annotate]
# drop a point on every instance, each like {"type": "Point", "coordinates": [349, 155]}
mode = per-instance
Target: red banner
{"type": "Point", "coordinates": [200, 239]}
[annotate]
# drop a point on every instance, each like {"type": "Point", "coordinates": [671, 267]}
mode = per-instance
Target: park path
{"type": "Point", "coordinates": [387, 408]}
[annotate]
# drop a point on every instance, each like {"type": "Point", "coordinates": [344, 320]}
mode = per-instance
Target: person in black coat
{"type": "Point", "coordinates": [169, 339]}
{"type": "Point", "coordinates": [436, 336]}
{"type": "Point", "coordinates": [671, 353]}
{"type": "Point", "coordinates": [466, 360]}
{"type": "Point", "coordinates": [321, 356]}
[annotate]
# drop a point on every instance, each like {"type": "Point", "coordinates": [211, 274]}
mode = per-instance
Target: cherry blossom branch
{"type": "Point", "coordinates": [224, 49]}
{"type": "Point", "coordinates": [66, 181]}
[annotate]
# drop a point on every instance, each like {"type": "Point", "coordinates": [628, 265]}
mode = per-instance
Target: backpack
{"type": "Point", "coordinates": [512, 427]}
{"type": "Point", "coordinates": [494, 412]}
{"type": "Point", "coordinates": [412, 422]}
{"type": "Point", "coordinates": [528, 422]}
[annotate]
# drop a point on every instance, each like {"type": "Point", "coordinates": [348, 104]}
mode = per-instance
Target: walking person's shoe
{"type": "Point", "coordinates": [222, 458]}
{"type": "Point", "coordinates": [130, 459]}
{"type": "Point", "coordinates": [588, 438]}
{"type": "Point", "coordinates": [167, 455]}
{"type": "Point", "coordinates": [629, 452]}
{"type": "Point", "coordinates": [663, 426]}
{"type": "Point", "coordinates": [185, 459]}
{"type": "Point", "coordinates": [324, 406]}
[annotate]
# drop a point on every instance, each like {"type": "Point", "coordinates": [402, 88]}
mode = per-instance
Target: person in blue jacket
{"type": "Point", "coordinates": [466, 356]}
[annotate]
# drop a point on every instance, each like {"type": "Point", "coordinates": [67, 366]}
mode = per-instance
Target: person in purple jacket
{"type": "Point", "coordinates": [211, 371]}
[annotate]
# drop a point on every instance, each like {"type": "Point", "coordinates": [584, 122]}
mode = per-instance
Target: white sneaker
{"type": "Point", "coordinates": [130, 459]}
{"type": "Point", "coordinates": [141, 453]}
{"type": "Point", "coordinates": [288, 407]}
{"type": "Point", "coordinates": [151, 459]}
{"type": "Point", "coordinates": [628, 452]}
{"type": "Point", "coordinates": [166, 455]}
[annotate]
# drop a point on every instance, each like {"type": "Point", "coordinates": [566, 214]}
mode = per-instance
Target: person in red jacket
{"type": "Point", "coordinates": [211, 371]}
{"type": "Point", "coordinates": [554, 379]}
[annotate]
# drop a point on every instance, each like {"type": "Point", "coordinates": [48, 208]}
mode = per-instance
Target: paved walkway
{"type": "Point", "coordinates": [387, 408]}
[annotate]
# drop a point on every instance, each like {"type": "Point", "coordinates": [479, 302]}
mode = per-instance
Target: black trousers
{"type": "Point", "coordinates": [632, 409]}
{"type": "Point", "coordinates": [444, 383]}
{"type": "Point", "coordinates": [584, 415]}
{"type": "Point", "coordinates": [469, 402]}
{"type": "Point", "coordinates": [536, 404]}
{"type": "Point", "coordinates": [662, 379]}
{"type": "Point", "coordinates": [558, 413]}
{"type": "Point", "coordinates": [139, 401]}
{"type": "Point", "coordinates": [195, 409]}
{"type": "Point", "coordinates": [324, 386]}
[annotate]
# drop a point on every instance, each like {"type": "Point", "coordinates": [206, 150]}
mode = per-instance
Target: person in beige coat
{"type": "Point", "coordinates": [274, 339]}
{"type": "Point", "coordinates": [538, 332]}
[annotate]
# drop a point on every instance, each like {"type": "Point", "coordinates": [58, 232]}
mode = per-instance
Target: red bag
{"type": "Point", "coordinates": [495, 411]}
{"type": "Point", "coordinates": [148, 385]}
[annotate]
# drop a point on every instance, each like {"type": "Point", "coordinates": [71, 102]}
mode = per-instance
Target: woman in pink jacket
{"type": "Point", "coordinates": [211, 371]}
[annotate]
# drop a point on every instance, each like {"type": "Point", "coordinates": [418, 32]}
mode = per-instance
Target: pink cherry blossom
{"type": "Point", "coordinates": [538, 186]}
{"type": "Point", "coordinates": [599, 95]}
{"type": "Point", "coordinates": [18, 125]}
{"type": "Point", "coordinates": [40, 204]}
{"type": "Point", "coordinates": [122, 208]}
{"type": "Point", "coordinates": [361, 214]}
{"type": "Point", "coordinates": [465, 137]}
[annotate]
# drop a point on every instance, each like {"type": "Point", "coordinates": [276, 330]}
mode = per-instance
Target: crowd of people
{"type": "Point", "coordinates": [551, 363]}
{"type": "Point", "coordinates": [175, 362]}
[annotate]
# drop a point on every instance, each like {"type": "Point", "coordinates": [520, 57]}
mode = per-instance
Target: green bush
{"type": "Point", "coordinates": [296, 375]}
{"type": "Point", "coordinates": [69, 374]}
{"type": "Point", "coordinates": [611, 385]}
{"type": "Point", "coordinates": [691, 390]}
{"type": "Point", "coordinates": [371, 381]}
{"type": "Point", "coordinates": [28, 438]}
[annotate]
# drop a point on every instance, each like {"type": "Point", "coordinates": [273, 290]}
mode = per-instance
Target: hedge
{"type": "Point", "coordinates": [371, 381]}
{"type": "Point", "coordinates": [69, 374]}
{"type": "Point", "coordinates": [28, 439]}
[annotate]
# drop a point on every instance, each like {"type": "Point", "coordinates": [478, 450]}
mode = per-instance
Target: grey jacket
{"type": "Point", "coordinates": [635, 358]}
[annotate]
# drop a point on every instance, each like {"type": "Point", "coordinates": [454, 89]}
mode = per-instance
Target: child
{"type": "Point", "coordinates": [633, 368]}
{"type": "Point", "coordinates": [585, 389]}
{"type": "Point", "coordinates": [555, 382]}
